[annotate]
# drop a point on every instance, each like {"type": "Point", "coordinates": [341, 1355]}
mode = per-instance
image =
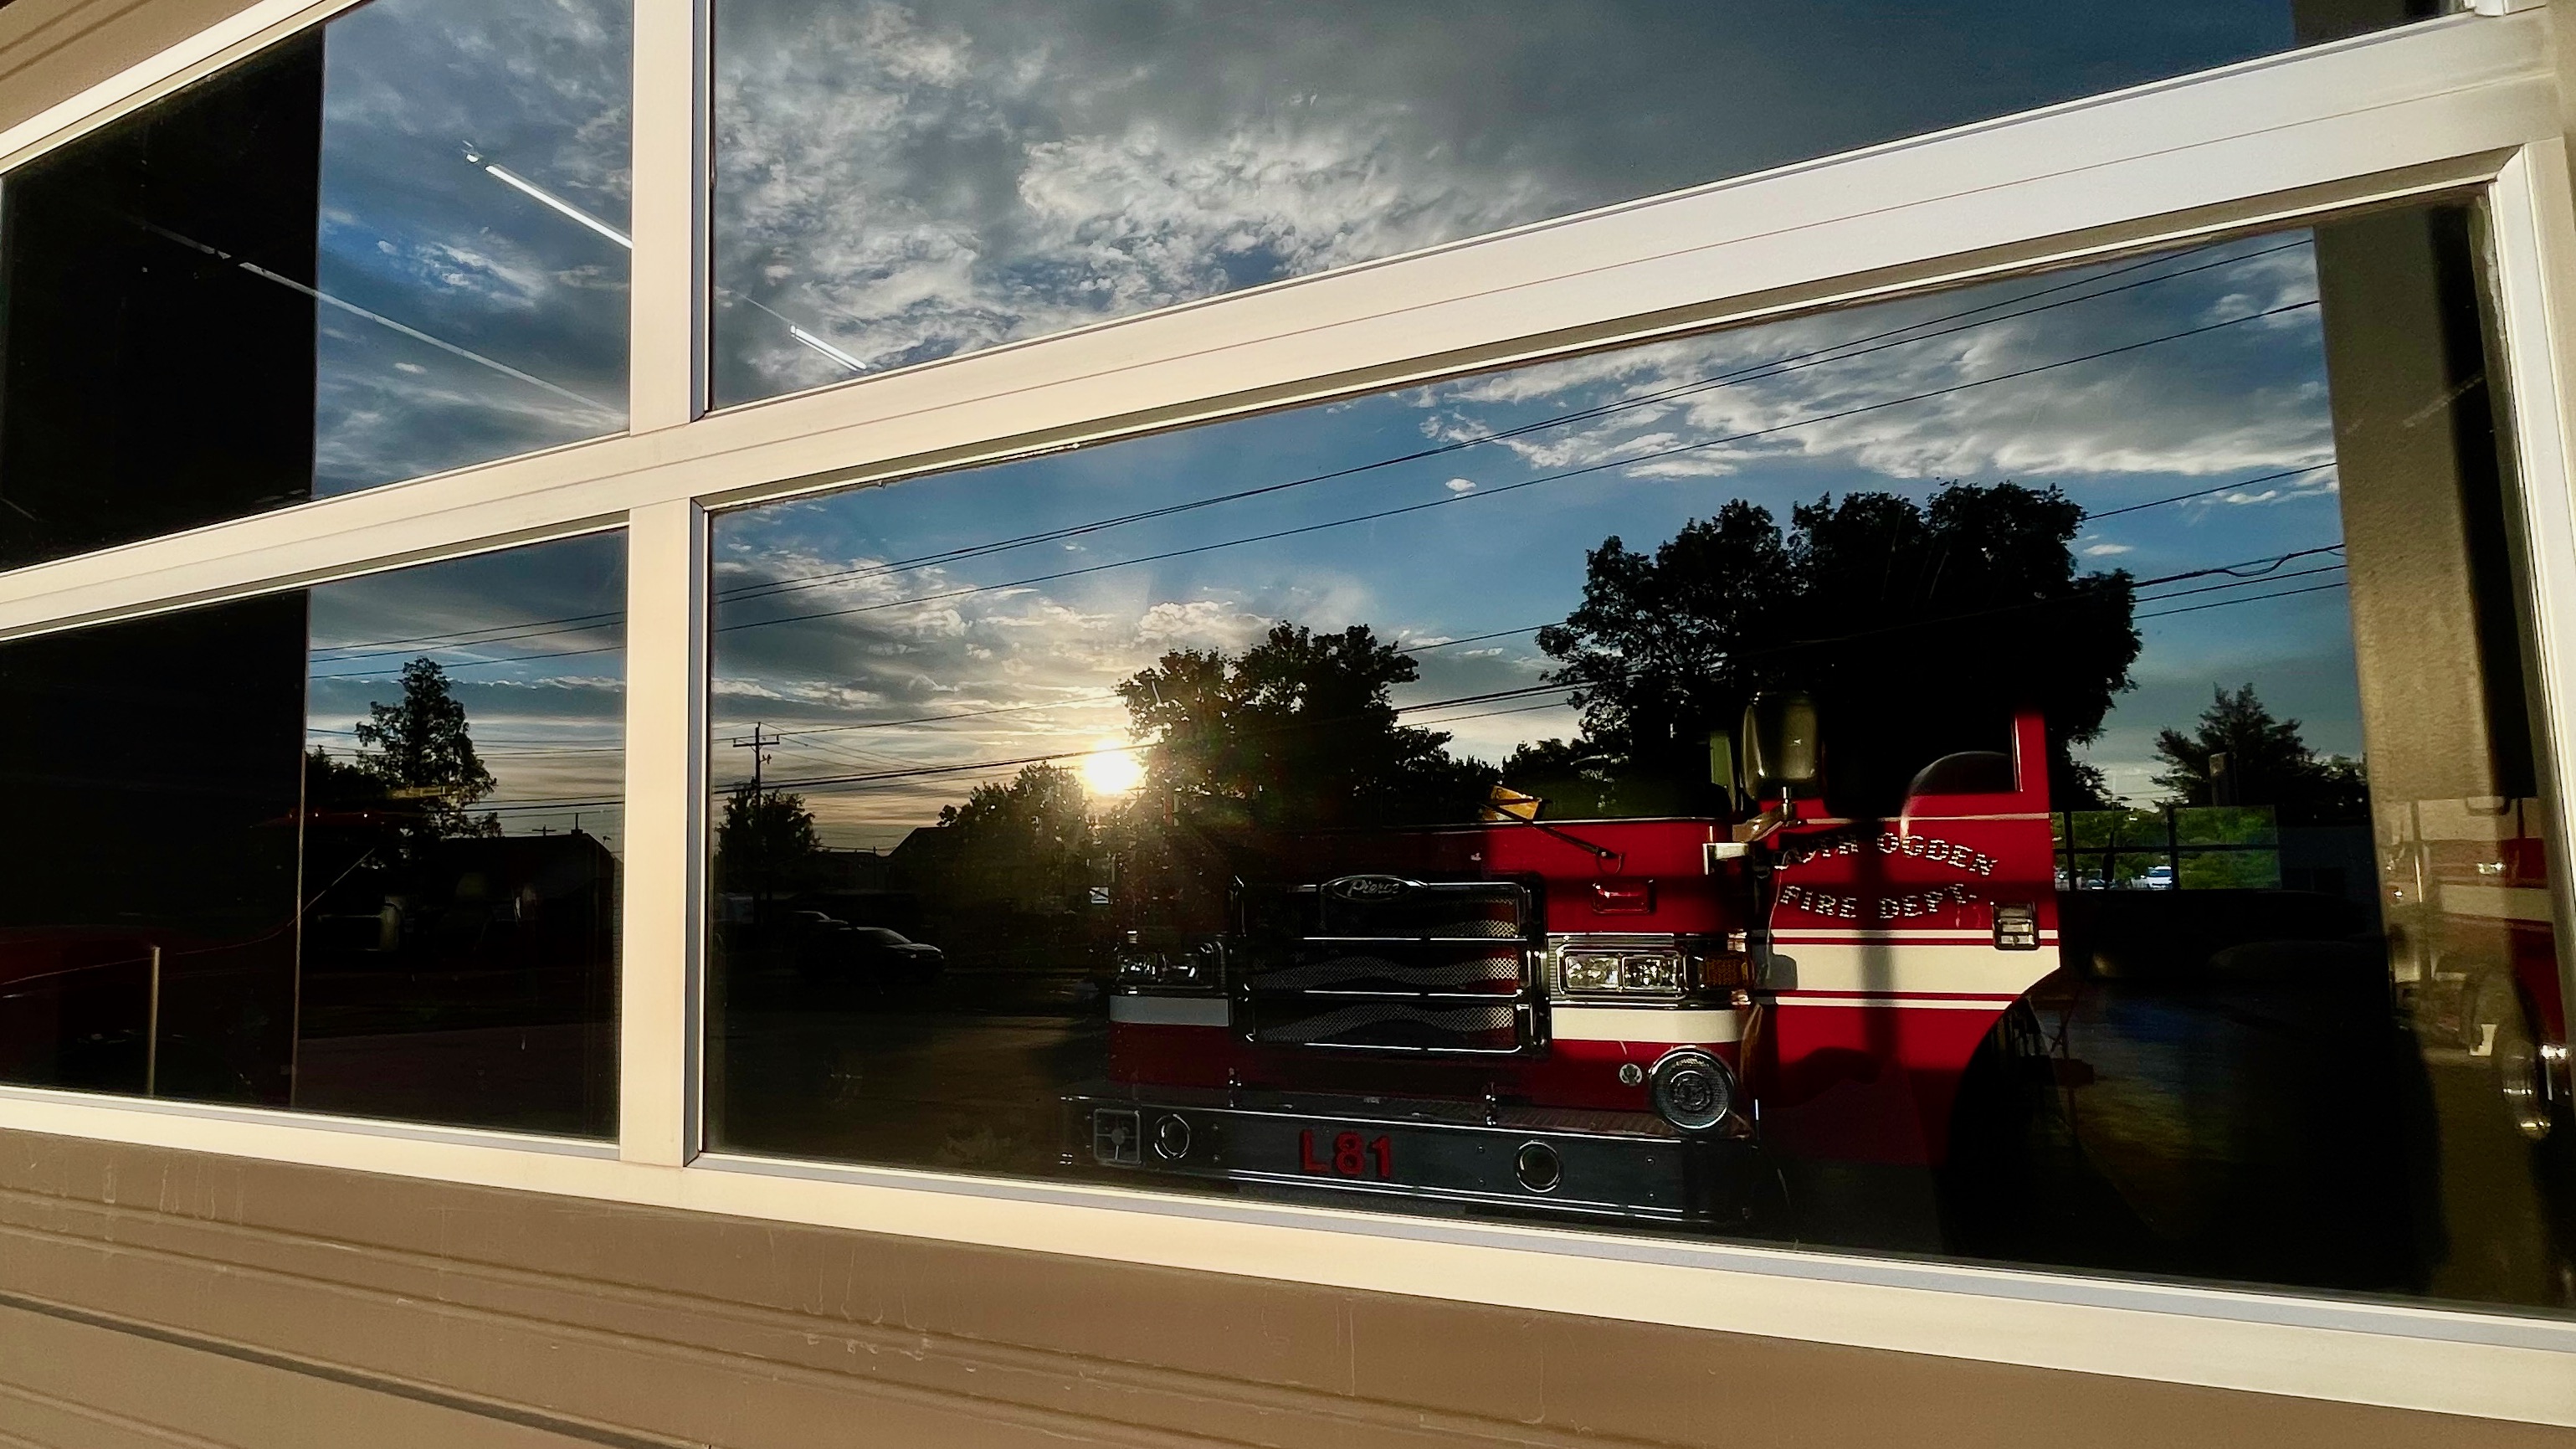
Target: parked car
{"type": "Point", "coordinates": [872, 956]}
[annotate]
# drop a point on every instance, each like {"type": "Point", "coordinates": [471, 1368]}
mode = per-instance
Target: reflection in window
{"type": "Point", "coordinates": [899, 182]}
{"type": "Point", "coordinates": [2037, 772]}
{"type": "Point", "coordinates": [389, 246]}
{"type": "Point", "coordinates": [351, 849]}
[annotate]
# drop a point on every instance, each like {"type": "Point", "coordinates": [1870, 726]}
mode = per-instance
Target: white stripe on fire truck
{"type": "Point", "coordinates": [1888, 1003]}
{"type": "Point", "coordinates": [1938, 967]}
{"type": "Point", "coordinates": [1858, 937]}
{"type": "Point", "coordinates": [1664, 1026]}
{"type": "Point", "coordinates": [1169, 1010]}
{"type": "Point", "coordinates": [2497, 903]}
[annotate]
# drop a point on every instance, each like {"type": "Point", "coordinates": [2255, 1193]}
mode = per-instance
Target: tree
{"type": "Point", "coordinates": [765, 841]}
{"type": "Point", "coordinates": [1574, 778]}
{"type": "Point", "coordinates": [1667, 647]}
{"type": "Point", "coordinates": [422, 749]}
{"type": "Point", "coordinates": [1028, 840]}
{"type": "Point", "coordinates": [2268, 762]}
{"type": "Point", "coordinates": [1919, 628]}
{"type": "Point", "coordinates": [1299, 730]}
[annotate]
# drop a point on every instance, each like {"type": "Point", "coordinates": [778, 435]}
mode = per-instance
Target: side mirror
{"type": "Point", "coordinates": [1782, 755]}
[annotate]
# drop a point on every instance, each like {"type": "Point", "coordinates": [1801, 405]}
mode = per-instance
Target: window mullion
{"type": "Point", "coordinates": [666, 384]}
{"type": "Point", "coordinates": [664, 879]}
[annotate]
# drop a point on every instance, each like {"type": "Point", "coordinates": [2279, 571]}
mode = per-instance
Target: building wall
{"type": "Point", "coordinates": [151, 1297]}
{"type": "Point", "coordinates": [52, 50]}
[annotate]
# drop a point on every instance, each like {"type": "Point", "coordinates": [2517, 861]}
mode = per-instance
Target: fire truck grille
{"type": "Point", "coordinates": [1393, 1025]}
{"type": "Point", "coordinates": [1476, 910]}
{"type": "Point", "coordinates": [1390, 964]}
{"type": "Point", "coordinates": [1396, 966]}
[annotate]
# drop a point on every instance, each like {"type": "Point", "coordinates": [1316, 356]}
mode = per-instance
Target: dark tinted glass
{"type": "Point", "coordinates": [901, 182]}
{"type": "Point", "coordinates": [384, 248]}
{"type": "Point", "coordinates": [351, 849]}
{"type": "Point", "coordinates": [2037, 773]}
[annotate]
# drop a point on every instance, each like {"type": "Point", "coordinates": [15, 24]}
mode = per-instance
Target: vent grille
{"type": "Point", "coordinates": [1381, 963]}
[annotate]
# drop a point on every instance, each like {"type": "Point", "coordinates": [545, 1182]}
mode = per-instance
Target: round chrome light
{"type": "Point", "coordinates": [1538, 1167]}
{"type": "Point", "coordinates": [1171, 1137]}
{"type": "Point", "coordinates": [1692, 1090]}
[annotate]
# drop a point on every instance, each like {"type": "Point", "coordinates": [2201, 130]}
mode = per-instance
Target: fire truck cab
{"type": "Point", "coordinates": [1612, 1017]}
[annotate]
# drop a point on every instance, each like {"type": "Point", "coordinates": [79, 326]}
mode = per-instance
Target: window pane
{"type": "Point", "coordinates": [2037, 772]}
{"type": "Point", "coordinates": [387, 247]}
{"type": "Point", "coordinates": [351, 849]}
{"type": "Point", "coordinates": [902, 182]}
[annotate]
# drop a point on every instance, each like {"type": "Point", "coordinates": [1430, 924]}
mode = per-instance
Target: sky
{"type": "Point", "coordinates": [533, 642]}
{"type": "Point", "coordinates": [530, 304]}
{"type": "Point", "coordinates": [908, 181]}
{"type": "Point", "coordinates": [955, 620]}
{"type": "Point", "coordinates": [905, 182]}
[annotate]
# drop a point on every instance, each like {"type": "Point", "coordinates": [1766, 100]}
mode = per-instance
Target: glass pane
{"type": "Point", "coordinates": [897, 183]}
{"type": "Point", "coordinates": [387, 247]}
{"type": "Point", "coordinates": [2035, 773]}
{"type": "Point", "coordinates": [351, 849]}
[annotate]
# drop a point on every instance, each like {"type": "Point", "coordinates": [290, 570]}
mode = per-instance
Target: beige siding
{"type": "Point", "coordinates": [52, 50]}
{"type": "Point", "coordinates": [157, 1297]}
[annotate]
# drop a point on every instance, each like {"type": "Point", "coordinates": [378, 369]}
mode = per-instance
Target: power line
{"type": "Point", "coordinates": [2262, 572]}
{"type": "Point", "coordinates": [1458, 498]}
{"type": "Point", "coordinates": [2090, 517]}
{"type": "Point", "coordinates": [1755, 372]}
{"type": "Point", "coordinates": [2256, 599]}
{"type": "Point", "coordinates": [502, 632]}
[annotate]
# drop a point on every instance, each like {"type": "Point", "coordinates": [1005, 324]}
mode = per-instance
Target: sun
{"type": "Point", "coordinates": [1112, 770]}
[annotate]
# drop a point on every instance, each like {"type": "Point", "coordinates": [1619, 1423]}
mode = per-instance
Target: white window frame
{"type": "Point", "coordinates": [2467, 106]}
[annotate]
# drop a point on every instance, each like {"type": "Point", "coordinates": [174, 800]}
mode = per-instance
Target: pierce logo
{"type": "Point", "coordinates": [1368, 887]}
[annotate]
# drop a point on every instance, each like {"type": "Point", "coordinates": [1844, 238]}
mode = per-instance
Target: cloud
{"type": "Point", "coordinates": [914, 180]}
{"type": "Point", "coordinates": [1460, 485]}
{"type": "Point", "coordinates": [412, 232]}
{"type": "Point", "coordinates": [2108, 550]}
{"type": "Point", "coordinates": [2110, 376]}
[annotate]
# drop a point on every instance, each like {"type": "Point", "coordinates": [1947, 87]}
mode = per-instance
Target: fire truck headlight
{"type": "Point", "coordinates": [1589, 971]}
{"type": "Point", "coordinates": [1661, 971]}
{"type": "Point", "coordinates": [1197, 968]}
{"type": "Point", "coordinates": [1691, 1089]}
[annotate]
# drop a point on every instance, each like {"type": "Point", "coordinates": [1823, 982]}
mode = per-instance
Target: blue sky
{"type": "Point", "coordinates": [419, 236]}
{"type": "Point", "coordinates": [1980, 384]}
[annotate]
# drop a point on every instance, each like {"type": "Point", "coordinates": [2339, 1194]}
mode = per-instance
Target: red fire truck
{"type": "Point", "coordinates": [1616, 1017]}
{"type": "Point", "coordinates": [2475, 940]}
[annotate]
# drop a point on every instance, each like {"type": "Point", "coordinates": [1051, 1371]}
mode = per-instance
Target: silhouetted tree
{"type": "Point", "coordinates": [766, 840]}
{"type": "Point", "coordinates": [1920, 628]}
{"type": "Point", "coordinates": [1298, 730]}
{"type": "Point", "coordinates": [2268, 763]}
{"type": "Point", "coordinates": [422, 749]}
{"type": "Point", "coordinates": [1026, 840]}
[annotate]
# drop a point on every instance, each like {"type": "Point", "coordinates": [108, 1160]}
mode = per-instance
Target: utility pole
{"type": "Point", "coordinates": [758, 744]}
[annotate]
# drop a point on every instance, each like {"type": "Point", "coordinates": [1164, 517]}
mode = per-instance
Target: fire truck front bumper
{"type": "Point", "coordinates": [1598, 1164]}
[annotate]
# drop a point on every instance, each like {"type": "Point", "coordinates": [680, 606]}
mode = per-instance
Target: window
{"type": "Point", "coordinates": [391, 246]}
{"type": "Point", "coordinates": [349, 849]}
{"type": "Point", "coordinates": [1981, 704]}
{"type": "Point", "coordinates": [2039, 772]}
{"type": "Point", "coordinates": [897, 183]}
